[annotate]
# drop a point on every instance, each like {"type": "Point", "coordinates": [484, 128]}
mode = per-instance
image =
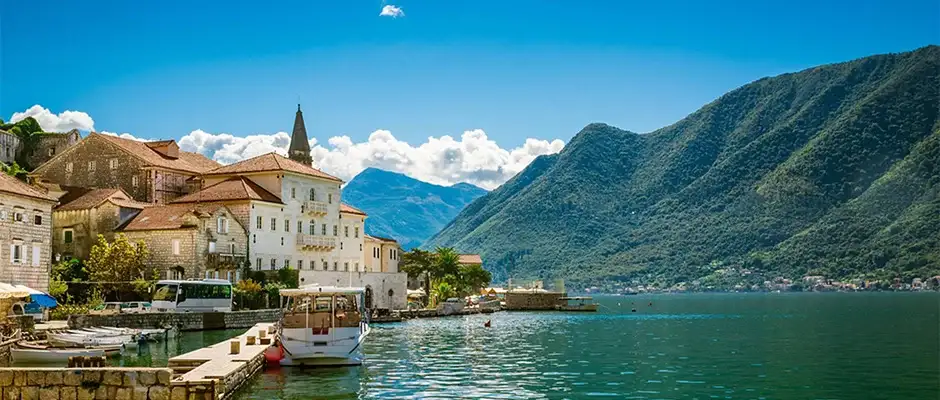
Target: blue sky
{"type": "Point", "coordinates": [514, 69]}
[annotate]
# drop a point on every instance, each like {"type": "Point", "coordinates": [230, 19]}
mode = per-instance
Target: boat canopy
{"type": "Point", "coordinates": [314, 289]}
{"type": "Point", "coordinates": [576, 298]}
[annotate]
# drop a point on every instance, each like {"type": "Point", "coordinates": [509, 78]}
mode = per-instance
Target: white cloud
{"type": "Point", "coordinates": [392, 11]}
{"type": "Point", "coordinates": [472, 158]}
{"type": "Point", "coordinates": [63, 122]}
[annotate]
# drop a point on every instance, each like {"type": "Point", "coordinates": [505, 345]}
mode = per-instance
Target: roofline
{"type": "Point", "coordinates": [53, 201]}
{"type": "Point", "coordinates": [37, 170]}
{"type": "Point", "coordinates": [269, 171]}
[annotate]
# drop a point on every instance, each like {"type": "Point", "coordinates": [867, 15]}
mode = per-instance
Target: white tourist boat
{"type": "Point", "coordinates": [46, 356]}
{"type": "Point", "coordinates": [322, 326]}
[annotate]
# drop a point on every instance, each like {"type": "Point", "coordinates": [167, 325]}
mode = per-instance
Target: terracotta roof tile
{"type": "Point", "coordinates": [235, 188]}
{"type": "Point", "coordinates": [471, 259]}
{"type": "Point", "coordinates": [84, 198]}
{"type": "Point", "coordinates": [12, 185]}
{"type": "Point", "coordinates": [271, 162]}
{"type": "Point", "coordinates": [187, 162]}
{"type": "Point", "coordinates": [346, 208]}
{"type": "Point", "coordinates": [171, 216]}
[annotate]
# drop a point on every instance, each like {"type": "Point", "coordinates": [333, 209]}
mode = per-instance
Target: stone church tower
{"type": "Point", "coordinates": [299, 149]}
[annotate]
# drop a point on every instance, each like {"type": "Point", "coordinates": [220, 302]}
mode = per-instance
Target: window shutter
{"type": "Point", "coordinates": [12, 249]}
{"type": "Point", "coordinates": [36, 256]}
{"type": "Point", "coordinates": [226, 225]}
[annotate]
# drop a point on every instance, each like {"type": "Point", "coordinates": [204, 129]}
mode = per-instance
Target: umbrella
{"type": "Point", "coordinates": [40, 298]}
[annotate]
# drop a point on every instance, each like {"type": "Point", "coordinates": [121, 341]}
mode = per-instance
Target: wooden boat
{"type": "Point", "coordinates": [50, 355]}
{"type": "Point", "coordinates": [321, 326]}
{"type": "Point", "coordinates": [581, 303]}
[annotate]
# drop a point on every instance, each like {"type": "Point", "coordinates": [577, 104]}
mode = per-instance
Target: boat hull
{"type": "Point", "coordinates": [34, 356]}
{"type": "Point", "coordinates": [343, 348]}
{"type": "Point", "coordinates": [584, 308]}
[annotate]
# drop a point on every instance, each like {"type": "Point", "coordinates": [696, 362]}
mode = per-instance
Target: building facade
{"type": "Point", "coordinates": [150, 172]}
{"type": "Point", "coordinates": [381, 254]}
{"type": "Point", "coordinates": [191, 241]}
{"type": "Point", "coordinates": [25, 234]}
{"type": "Point", "coordinates": [83, 214]}
{"type": "Point", "coordinates": [9, 147]}
{"type": "Point", "coordinates": [49, 144]}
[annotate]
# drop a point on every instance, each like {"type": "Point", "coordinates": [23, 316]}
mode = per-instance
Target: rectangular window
{"type": "Point", "coordinates": [273, 263]}
{"type": "Point", "coordinates": [37, 220]}
{"type": "Point", "coordinates": [212, 247]}
{"type": "Point", "coordinates": [258, 222]}
{"type": "Point", "coordinates": [113, 163]}
{"type": "Point", "coordinates": [300, 226]}
{"type": "Point", "coordinates": [357, 266]}
{"type": "Point", "coordinates": [176, 247]}
{"type": "Point", "coordinates": [286, 263]}
{"type": "Point", "coordinates": [326, 266]}
{"type": "Point", "coordinates": [313, 228]}
{"type": "Point", "coordinates": [286, 225]}
{"type": "Point", "coordinates": [313, 196]}
{"type": "Point", "coordinates": [293, 193]}
{"type": "Point", "coordinates": [300, 264]}
{"type": "Point", "coordinates": [91, 166]}
{"type": "Point", "coordinates": [258, 263]}
{"type": "Point", "coordinates": [67, 236]}
{"type": "Point", "coordinates": [221, 225]}
{"type": "Point", "coordinates": [345, 266]}
{"type": "Point", "coordinates": [17, 216]}
{"type": "Point", "coordinates": [335, 230]}
{"type": "Point", "coordinates": [340, 245]}
{"type": "Point", "coordinates": [36, 256]}
{"type": "Point", "coordinates": [346, 231]}
{"type": "Point", "coordinates": [16, 253]}
{"type": "Point", "coordinates": [273, 224]}
{"type": "Point", "coordinates": [135, 181]}
{"type": "Point", "coordinates": [231, 248]}
{"type": "Point", "coordinates": [323, 231]}
{"type": "Point", "coordinates": [330, 198]}
{"type": "Point", "coordinates": [356, 229]}
{"type": "Point", "coordinates": [68, 167]}
{"type": "Point", "coordinates": [254, 238]}
{"type": "Point", "coordinates": [335, 265]}
{"type": "Point", "coordinates": [360, 246]}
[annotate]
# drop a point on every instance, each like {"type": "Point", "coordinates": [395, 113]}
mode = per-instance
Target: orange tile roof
{"type": "Point", "coordinates": [94, 197]}
{"type": "Point", "coordinates": [187, 162]}
{"type": "Point", "coordinates": [382, 239]}
{"type": "Point", "coordinates": [235, 188]}
{"type": "Point", "coordinates": [471, 259]}
{"type": "Point", "coordinates": [9, 184]}
{"type": "Point", "coordinates": [171, 216]}
{"type": "Point", "coordinates": [346, 208]}
{"type": "Point", "coordinates": [270, 162]}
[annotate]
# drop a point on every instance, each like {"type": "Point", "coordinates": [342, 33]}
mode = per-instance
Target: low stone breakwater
{"type": "Point", "coordinates": [185, 321]}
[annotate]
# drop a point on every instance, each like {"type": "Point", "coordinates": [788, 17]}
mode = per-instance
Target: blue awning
{"type": "Point", "coordinates": [43, 300]}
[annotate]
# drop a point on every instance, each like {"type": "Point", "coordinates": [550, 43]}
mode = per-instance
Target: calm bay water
{"type": "Point", "coordinates": [696, 346]}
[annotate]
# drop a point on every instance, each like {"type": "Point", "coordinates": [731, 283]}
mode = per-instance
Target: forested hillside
{"type": "Point", "coordinates": [832, 171]}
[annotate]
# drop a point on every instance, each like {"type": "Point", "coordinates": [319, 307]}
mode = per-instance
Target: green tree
{"type": "Point", "coordinates": [442, 291]}
{"type": "Point", "coordinates": [120, 261]}
{"type": "Point", "coordinates": [446, 262]}
{"type": "Point", "coordinates": [417, 262]}
{"type": "Point", "coordinates": [474, 277]}
{"type": "Point", "coordinates": [14, 170]}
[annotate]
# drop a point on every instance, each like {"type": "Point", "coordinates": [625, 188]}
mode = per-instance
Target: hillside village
{"type": "Point", "coordinates": [198, 218]}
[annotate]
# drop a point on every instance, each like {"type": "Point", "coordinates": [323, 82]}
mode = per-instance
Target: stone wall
{"type": "Point", "coordinates": [187, 321]}
{"type": "Point", "coordinates": [85, 383]}
{"type": "Point", "coordinates": [532, 301]}
{"type": "Point", "coordinates": [379, 282]}
{"type": "Point", "coordinates": [5, 357]}
{"type": "Point", "coordinates": [50, 144]}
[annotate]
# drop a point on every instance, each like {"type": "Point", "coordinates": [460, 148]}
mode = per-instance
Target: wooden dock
{"type": "Point", "coordinates": [216, 370]}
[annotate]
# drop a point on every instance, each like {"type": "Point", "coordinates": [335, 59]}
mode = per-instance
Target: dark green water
{"type": "Point", "coordinates": [724, 346]}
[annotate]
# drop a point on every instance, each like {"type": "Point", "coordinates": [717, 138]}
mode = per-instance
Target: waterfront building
{"type": "Point", "coordinates": [191, 241]}
{"type": "Point", "coordinates": [381, 254]}
{"type": "Point", "coordinates": [25, 233]}
{"type": "Point", "coordinates": [152, 172]}
{"type": "Point", "coordinates": [83, 214]}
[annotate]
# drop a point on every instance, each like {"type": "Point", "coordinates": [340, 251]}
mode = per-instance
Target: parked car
{"type": "Point", "coordinates": [135, 307]}
{"type": "Point", "coordinates": [106, 309]}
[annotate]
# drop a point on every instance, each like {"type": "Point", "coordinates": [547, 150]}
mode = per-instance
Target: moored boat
{"type": "Point", "coordinates": [322, 326]}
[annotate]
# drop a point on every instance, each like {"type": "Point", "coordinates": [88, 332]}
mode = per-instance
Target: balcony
{"type": "Point", "coordinates": [313, 242]}
{"type": "Point", "coordinates": [316, 207]}
{"type": "Point", "coordinates": [224, 260]}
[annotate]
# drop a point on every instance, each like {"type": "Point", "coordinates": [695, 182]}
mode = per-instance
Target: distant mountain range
{"type": "Point", "coordinates": [406, 209]}
{"type": "Point", "coordinates": [831, 171]}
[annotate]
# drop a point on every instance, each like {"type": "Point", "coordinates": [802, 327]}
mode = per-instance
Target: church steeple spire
{"type": "Point", "coordinates": [299, 149]}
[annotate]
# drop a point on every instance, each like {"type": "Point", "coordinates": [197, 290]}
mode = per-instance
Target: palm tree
{"type": "Point", "coordinates": [446, 262]}
{"type": "Point", "coordinates": [442, 291]}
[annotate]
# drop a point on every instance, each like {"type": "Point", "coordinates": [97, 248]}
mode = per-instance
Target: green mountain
{"type": "Point", "coordinates": [832, 170]}
{"type": "Point", "coordinates": [403, 208]}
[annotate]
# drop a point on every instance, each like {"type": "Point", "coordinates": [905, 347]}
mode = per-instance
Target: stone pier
{"type": "Point", "coordinates": [86, 384]}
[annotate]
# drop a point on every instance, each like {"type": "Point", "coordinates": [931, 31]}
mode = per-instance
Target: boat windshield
{"type": "Point", "coordinates": [319, 312]}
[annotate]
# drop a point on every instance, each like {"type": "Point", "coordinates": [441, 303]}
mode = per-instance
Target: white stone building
{"type": "Point", "coordinates": [25, 234]}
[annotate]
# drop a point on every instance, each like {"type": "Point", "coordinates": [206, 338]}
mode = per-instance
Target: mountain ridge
{"type": "Point", "coordinates": [404, 208]}
{"type": "Point", "coordinates": [728, 184]}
